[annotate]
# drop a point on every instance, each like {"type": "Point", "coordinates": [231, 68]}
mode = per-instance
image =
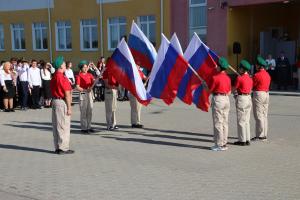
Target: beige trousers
{"type": "Point", "coordinates": [243, 111]}
{"type": "Point", "coordinates": [260, 110]}
{"type": "Point", "coordinates": [61, 125]}
{"type": "Point", "coordinates": [220, 112]}
{"type": "Point", "coordinates": [110, 106]}
{"type": "Point", "coordinates": [86, 109]}
{"type": "Point", "coordinates": [298, 78]}
{"type": "Point", "coordinates": [136, 108]}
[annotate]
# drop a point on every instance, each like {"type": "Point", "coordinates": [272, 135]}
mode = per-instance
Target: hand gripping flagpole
{"type": "Point", "coordinates": [199, 77]}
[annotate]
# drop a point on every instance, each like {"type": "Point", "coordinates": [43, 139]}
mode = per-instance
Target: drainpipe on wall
{"type": "Point", "coordinates": [50, 31]}
{"type": "Point", "coordinates": [162, 16]}
{"type": "Point", "coordinates": [101, 26]}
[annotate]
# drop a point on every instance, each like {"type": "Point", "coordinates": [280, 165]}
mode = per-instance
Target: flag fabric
{"type": "Point", "coordinates": [143, 51]}
{"type": "Point", "coordinates": [198, 55]}
{"type": "Point", "coordinates": [167, 72]}
{"type": "Point", "coordinates": [201, 98]}
{"type": "Point", "coordinates": [122, 67]}
{"type": "Point", "coordinates": [176, 44]}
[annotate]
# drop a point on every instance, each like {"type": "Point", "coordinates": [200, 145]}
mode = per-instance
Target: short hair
{"type": "Point", "coordinates": [33, 60]}
{"type": "Point", "coordinates": [13, 59]}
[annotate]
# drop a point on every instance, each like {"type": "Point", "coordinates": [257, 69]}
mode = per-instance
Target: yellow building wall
{"type": "Point", "coordinates": [74, 11]}
{"type": "Point", "coordinates": [246, 23]}
{"type": "Point", "coordinates": [27, 18]}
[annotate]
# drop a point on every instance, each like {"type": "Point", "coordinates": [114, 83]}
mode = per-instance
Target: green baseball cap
{"type": "Point", "coordinates": [58, 62]}
{"type": "Point", "coordinates": [223, 63]}
{"type": "Point", "coordinates": [261, 61]}
{"type": "Point", "coordinates": [82, 63]}
{"type": "Point", "coordinates": [245, 65]}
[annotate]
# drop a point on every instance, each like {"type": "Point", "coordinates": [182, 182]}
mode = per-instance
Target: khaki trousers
{"type": "Point", "coordinates": [220, 112]}
{"type": "Point", "coordinates": [136, 108]}
{"type": "Point", "coordinates": [260, 110]}
{"type": "Point", "coordinates": [243, 111]}
{"type": "Point", "coordinates": [110, 106]}
{"type": "Point", "coordinates": [86, 109]}
{"type": "Point", "coordinates": [61, 125]}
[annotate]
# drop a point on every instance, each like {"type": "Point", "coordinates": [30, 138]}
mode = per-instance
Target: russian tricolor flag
{"type": "Point", "coordinates": [125, 71]}
{"type": "Point", "coordinates": [167, 72]}
{"type": "Point", "coordinates": [143, 51]}
{"type": "Point", "coordinates": [198, 55]}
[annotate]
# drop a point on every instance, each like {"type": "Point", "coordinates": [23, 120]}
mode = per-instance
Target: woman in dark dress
{"type": "Point", "coordinates": [8, 87]}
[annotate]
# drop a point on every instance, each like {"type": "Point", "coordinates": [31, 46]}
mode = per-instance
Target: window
{"type": "Point", "coordinates": [63, 36]}
{"type": "Point", "coordinates": [39, 36]}
{"type": "Point", "coordinates": [18, 37]}
{"type": "Point", "coordinates": [147, 25]}
{"type": "Point", "coordinates": [198, 18]}
{"type": "Point", "coordinates": [116, 30]}
{"type": "Point", "coordinates": [1, 38]}
{"type": "Point", "coordinates": [89, 35]}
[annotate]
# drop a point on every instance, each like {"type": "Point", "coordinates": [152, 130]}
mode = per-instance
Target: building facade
{"type": "Point", "coordinates": [76, 29]}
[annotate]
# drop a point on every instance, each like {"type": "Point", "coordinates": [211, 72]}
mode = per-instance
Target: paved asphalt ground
{"type": "Point", "coordinates": [168, 160]}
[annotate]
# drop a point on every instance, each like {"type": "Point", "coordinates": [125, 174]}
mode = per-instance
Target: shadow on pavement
{"type": "Point", "coordinates": [147, 141]}
{"type": "Point", "coordinates": [15, 147]}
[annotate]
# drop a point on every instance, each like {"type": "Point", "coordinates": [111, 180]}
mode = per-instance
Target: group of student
{"type": "Point", "coordinates": [242, 90]}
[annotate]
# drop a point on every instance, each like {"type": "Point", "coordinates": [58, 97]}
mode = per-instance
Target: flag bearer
{"type": "Point", "coordinates": [136, 106]}
{"type": "Point", "coordinates": [261, 85]}
{"type": "Point", "coordinates": [220, 87]}
{"type": "Point", "coordinates": [61, 108]}
{"type": "Point", "coordinates": [111, 92]}
{"type": "Point", "coordinates": [243, 87]}
{"type": "Point", "coordinates": [84, 84]}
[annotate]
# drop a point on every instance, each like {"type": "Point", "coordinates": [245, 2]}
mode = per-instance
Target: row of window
{"type": "Point", "coordinates": [88, 34]}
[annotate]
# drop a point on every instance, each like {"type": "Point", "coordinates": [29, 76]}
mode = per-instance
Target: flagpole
{"type": "Point", "coordinates": [198, 76]}
{"type": "Point", "coordinates": [232, 69]}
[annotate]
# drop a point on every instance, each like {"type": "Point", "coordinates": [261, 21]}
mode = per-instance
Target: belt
{"type": "Point", "coordinates": [58, 98]}
{"type": "Point", "coordinates": [244, 94]}
{"type": "Point", "coordinates": [220, 94]}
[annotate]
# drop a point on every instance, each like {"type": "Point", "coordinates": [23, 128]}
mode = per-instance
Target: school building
{"type": "Point", "coordinates": [76, 29]}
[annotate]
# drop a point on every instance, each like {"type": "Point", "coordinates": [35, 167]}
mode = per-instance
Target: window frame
{"type": "Point", "coordinates": [65, 27]}
{"type": "Point", "coordinates": [110, 48]}
{"type": "Point", "coordinates": [12, 29]}
{"type": "Point", "coordinates": [90, 35]}
{"type": "Point", "coordinates": [2, 31]}
{"type": "Point", "coordinates": [41, 34]}
{"type": "Point", "coordinates": [204, 4]}
{"type": "Point", "coordinates": [148, 22]}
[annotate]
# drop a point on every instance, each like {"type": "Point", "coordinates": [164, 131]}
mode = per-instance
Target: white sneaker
{"type": "Point", "coordinates": [216, 148]}
{"type": "Point", "coordinates": [224, 148]}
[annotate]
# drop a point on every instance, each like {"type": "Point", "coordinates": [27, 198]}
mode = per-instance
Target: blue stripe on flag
{"type": "Point", "coordinates": [162, 76]}
{"type": "Point", "coordinates": [139, 45]}
{"type": "Point", "coordinates": [123, 64]}
{"type": "Point", "coordinates": [197, 94]}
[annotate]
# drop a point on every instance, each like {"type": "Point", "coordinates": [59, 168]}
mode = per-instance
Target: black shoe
{"type": "Point", "coordinates": [239, 143]}
{"type": "Point", "coordinates": [56, 151]}
{"type": "Point", "coordinates": [84, 131]}
{"type": "Point", "coordinates": [91, 130]}
{"type": "Point", "coordinates": [61, 152]}
{"type": "Point", "coordinates": [6, 110]}
{"type": "Point", "coordinates": [11, 110]}
{"type": "Point", "coordinates": [262, 138]}
{"type": "Point", "coordinates": [255, 139]}
{"type": "Point", "coordinates": [248, 143]}
{"type": "Point", "coordinates": [110, 128]}
{"type": "Point", "coordinates": [137, 126]}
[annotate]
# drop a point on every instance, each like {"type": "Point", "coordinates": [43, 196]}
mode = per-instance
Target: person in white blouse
{"type": "Point", "coordinates": [35, 83]}
{"type": "Point", "coordinates": [8, 87]}
{"type": "Point", "coordinates": [22, 71]}
{"type": "Point", "coordinates": [69, 73]}
{"type": "Point", "coordinates": [271, 68]}
{"type": "Point", "coordinates": [46, 78]}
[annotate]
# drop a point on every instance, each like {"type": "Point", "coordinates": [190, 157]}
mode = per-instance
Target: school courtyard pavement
{"type": "Point", "coordinates": [167, 160]}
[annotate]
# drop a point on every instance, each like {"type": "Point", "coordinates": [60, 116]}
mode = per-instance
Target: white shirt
{"type": "Point", "coordinates": [271, 63]}
{"type": "Point", "coordinates": [23, 72]}
{"type": "Point", "coordinates": [34, 77]}
{"type": "Point", "coordinates": [5, 77]}
{"type": "Point", "coordinates": [70, 75]}
{"type": "Point", "coordinates": [46, 75]}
